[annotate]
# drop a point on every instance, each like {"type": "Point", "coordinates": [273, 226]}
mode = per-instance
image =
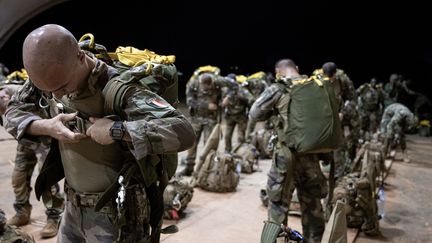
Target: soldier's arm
{"type": "Point", "coordinates": [154, 126]}
{"type": "Point", "coordinates": [22, 110]}
{"type": "Point", "coordinates": [263, 107]}
{"type": "Point", "coordinates": [26, 119]}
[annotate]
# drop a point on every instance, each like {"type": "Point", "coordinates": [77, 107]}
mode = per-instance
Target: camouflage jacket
{"type": "Point", "coordinates": [155, 126]}
{"type": "Point", "coordinates": [396, 116]}
{"type": "Point", "coordinates": [198, 99]}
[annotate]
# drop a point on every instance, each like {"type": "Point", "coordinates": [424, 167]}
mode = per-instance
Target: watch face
{"type": "Point", "coordinates": [117, 133]}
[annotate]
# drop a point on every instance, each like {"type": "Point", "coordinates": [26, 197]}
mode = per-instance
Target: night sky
{"type": "Point", "coordinates": [364, 39]}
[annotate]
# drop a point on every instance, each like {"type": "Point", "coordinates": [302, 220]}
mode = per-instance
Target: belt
{"type": "Point", "coordinates": [84, 200]}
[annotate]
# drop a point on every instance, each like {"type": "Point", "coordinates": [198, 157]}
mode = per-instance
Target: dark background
{"type": "Point", "coordinates": [363, 38]}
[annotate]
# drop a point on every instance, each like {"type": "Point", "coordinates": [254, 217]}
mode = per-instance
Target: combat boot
{"type": "Point", "coordinates": [22, 217]}
{"type": "Point", "coordinates": [50, 229]}
{"type": "Point", "coordinates": [405, 157]}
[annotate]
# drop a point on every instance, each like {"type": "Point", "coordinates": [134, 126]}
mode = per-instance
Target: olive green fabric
{"type": "Point", "coordinates": [218, 173]}
{"type": "Point", "coordinates": [336, 228]}
{"type": "Point", "coordinates": [313, 119]}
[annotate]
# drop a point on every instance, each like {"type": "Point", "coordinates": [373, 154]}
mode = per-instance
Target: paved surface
{"type": "Point", "coordinates": [238, 216]}
{"type": "Point", "coordinates": [408, 191]}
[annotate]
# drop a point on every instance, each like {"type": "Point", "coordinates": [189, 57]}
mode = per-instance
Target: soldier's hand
{"type": "Point", "coordinates": [226, 102]}
{"type": "Point", "coordinates": [212, 106]}
{"type": "Point", "coordinates": [99, 130]}
{"type": "Point", "coordinates": [58, 130]}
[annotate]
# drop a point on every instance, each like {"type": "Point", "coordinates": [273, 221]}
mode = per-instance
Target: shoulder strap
{"type": "Point", "coordinates": [114, 92]}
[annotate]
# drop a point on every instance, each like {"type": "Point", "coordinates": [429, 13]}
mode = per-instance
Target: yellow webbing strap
{"type": "Point", "coordinates": [133, 57]}
{"type": "Point", "coordinates": [208, 68]}
{"type": "Point", "coordinates": [18, 74]}
{"type": "Point", "coordinates": [89, 36]}
{"type": "Point", "coordinates": [240, 78]}
{"type": "Point", "coordinates": [257, 75]}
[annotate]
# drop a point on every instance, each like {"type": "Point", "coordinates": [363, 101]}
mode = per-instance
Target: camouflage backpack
{"type": "Point", "coordinates": [248, 156]}
{"type": "Point", "coordinates": [358, 190]}
{"type": "Point", "coordinates": [9, 234]}
{"type": "Point", "coordinates": [263, 140]}
{"type": "Point", "coordinates": [177, 196]}
{"type": "Point", "coordinates": [218, 173]}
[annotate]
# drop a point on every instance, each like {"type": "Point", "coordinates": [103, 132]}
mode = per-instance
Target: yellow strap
{"type": "Point", "coordinates": [257, 75]}
{"type": "Point", "coordinates": [208, 68]}
{"type": "Point", "coordinates": [20, 74]}
{"type": "Point", "coordinates": [240, 78]}
{"type": "Point", "coordinates": [133, 57]}
{"type": "Point", "coordinates": [91, 37]}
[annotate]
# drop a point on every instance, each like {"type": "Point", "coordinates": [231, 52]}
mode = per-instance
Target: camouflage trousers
{"type": "Point", "coordinates": [303, 172]}
{"type": "Point", "coordinates": [230, 123]}
{"type": "Point", "coordinates": [25, 163]}
{"type": "Point", "coordinates": [83, 224]}
{"type": "Point", "coordinates": [202, 127]}
{"type": "Point", "coordinates": [370, 120]}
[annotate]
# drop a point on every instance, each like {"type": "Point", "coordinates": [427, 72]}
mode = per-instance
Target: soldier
{"type": "Point", "coordinates": [290, 168]}
{"type": "Point", "coordinates": [203, 97]}
{"type": "Point", "coordinates": [256, 84]}
{"type": "Point", "coordinates": [235, 104]}
{"type": "Point", "coordinates": [11, 235]}
{"type": "Point", "coordinates": [343, 86]}
{"type": "Point", "coordinates": [391, 89]}
{"type": "Point", "coordinates": [114, 175]}
{"type": "Point", "coordinates": [397, 119]}
{"type": "Point", "coordinates": [370, 106]}
{"type": "Point", "coordinates": [25, 162]}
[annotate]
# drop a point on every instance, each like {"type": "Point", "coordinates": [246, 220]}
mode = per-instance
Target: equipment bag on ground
{"type": "Point", "coordinates": [218, 173]}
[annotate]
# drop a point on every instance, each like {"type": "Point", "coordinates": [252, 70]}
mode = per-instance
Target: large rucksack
{"type": "Point", "coordinates": [137, 67]}
{"type": "Point", "coordinates": [358, 189]}
{"type": "Point", "coordinates": [314, 124]}
{"type": "Point", "coordinates": [218, 173]}
{"type": "Point", "coordinates": [177, 196]}
{"type": "Point", "coordinates": [248, 157]}
{"type": "Point", "coordinates": [155, 72]}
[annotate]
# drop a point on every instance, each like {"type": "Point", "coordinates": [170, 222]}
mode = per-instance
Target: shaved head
{"type": "Point", "coordinates": [50, 54]}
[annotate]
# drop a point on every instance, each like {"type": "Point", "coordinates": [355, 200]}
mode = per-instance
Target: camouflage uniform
{"type": "Point", "coordinates": [198, 98]}
{"type": "Point", "coordinates": [391, 89]}
{"type": "Point", "coordinates": [343, 86]}
{"type": "Point", "coordinates": [351, 132]}
{"type": "Point", "coordinates": [397, 119]}
{"type": "Point", "coordinates": [370, 105]}
{"type": "Point", "coordinates": [256, 84]}
{"type": "Point", "coordinates": [290, 169]}
{"type": "Point", "coordinates": [25, 162]}
{"type": "Point", "coordinates": [11, 235]}
{"type": "Point", "coordinates": [236, 114]}
{"type": "Point", "coordinates": [154, 126]}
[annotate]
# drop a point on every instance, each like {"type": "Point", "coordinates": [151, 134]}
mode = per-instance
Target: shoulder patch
{"type": "Point", "coordinates": [157, 103]}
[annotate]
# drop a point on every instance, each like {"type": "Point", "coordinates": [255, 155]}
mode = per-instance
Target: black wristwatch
{"type": "Point", "coordinates": [117, 131]}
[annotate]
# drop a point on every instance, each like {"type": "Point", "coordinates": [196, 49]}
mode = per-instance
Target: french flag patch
{"type": "Point", "coordinates": [157, 103]}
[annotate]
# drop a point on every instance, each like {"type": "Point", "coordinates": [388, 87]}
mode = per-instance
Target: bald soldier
{"type": "Point", "coordinates": [115, 170]}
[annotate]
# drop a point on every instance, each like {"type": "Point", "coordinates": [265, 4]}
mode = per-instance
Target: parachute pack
{"type": "Point", "coordinates": [314, 124]}
{"type": "Point", "coordinates": [153, 71]}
